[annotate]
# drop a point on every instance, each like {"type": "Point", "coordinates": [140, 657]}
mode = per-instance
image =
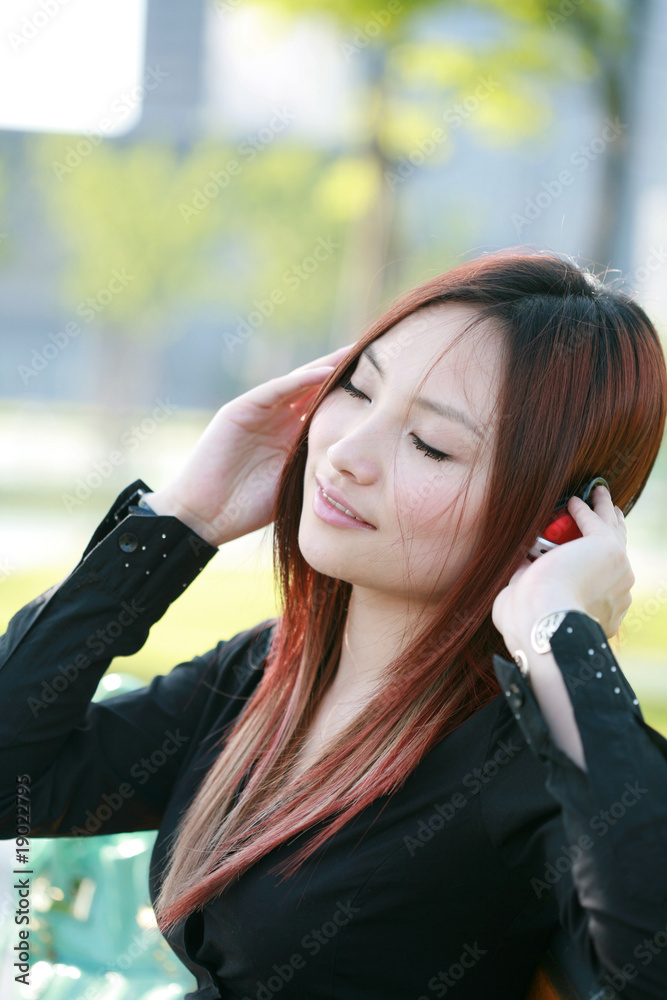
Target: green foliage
{"type": "Point", "coordinates": [419, 81]}
{"type": "Point", "coordinates": [190, 227]}
{"type": "Point", "coordinates": [602, 20]}
{"type": "Point", "coordinates": [216, 225]}
{"type": "Point", "coordinates": [118, 209]}
{"type": "Point", "coordinates": [278, 215]}
{"type": "Point", "coordinates": [215, 606]}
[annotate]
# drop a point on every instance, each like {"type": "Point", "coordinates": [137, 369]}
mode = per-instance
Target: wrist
{"type": "Point", "coordinates": [531, 609]}
{"type": "Point", "coordinates": [534, 647]}
{"type": "Point", "coordinates": [165, 504]}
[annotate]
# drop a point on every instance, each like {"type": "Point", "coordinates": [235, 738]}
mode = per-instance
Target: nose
{"type": "Point", "coordinates": [358, 454]}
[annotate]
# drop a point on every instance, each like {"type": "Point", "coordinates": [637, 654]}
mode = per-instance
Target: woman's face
{"type": "Point", "coordinates": [384, 458]}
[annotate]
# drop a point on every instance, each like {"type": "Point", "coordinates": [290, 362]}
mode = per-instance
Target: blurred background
{"type": "Point", "coordinates": [197, 196]}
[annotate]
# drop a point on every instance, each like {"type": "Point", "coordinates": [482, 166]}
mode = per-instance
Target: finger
{"type": "Point", "coordinates": [603, 510]}
{"type": "Point", "coordinates": [333, 357]}
{"type": "Point", "coordinates": [289, 387]}
{"type": "Point", "coordinates": [301, 405]}
{"type": "Point", "coordinates": [601, 497]}
{"type": "Point", "coordinates": [609, 512]}
{"type": "Point", "coordinates": [622, 527]}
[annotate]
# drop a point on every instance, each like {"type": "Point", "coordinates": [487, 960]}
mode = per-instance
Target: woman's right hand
{"type": "Point", "coordinates": [227, 487]}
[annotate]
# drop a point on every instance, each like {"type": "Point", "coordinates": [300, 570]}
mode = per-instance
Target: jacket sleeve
{"type": "Point", "coordinates": [99, 767]}
{"type": "Point", "coordinates": [610, 874]}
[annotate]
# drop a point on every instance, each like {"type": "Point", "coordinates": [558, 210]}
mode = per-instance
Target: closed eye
{"type": "Point", "coordinates": [437, 456]}
{"type": "Point", "coordinates": [353, 391]}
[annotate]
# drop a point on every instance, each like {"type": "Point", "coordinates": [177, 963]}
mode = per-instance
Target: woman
{"type": "Point", "coordinates": [365, 797]}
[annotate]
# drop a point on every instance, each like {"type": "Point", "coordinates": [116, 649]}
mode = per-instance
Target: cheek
{"type": "Point", "coordinates": [322, 424]}
{"type": "Point", "coordinates": [428, 499]}
{"type": "Point", "coordinates": [438, 512]}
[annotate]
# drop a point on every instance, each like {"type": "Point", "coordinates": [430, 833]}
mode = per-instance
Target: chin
{"type": "Point", "coordinates": [323, 554]}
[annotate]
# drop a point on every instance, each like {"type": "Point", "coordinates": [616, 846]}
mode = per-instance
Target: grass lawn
{"type": "Point", "coordinates": [215, 606]}
{"type": "Point", "coordinates": [219, 604]}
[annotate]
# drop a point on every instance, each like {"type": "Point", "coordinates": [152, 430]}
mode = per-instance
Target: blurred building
{"type": "Point", "coordinates": [506, 195]}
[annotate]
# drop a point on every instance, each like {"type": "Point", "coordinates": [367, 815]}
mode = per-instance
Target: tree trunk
{"type": "Point", "coordinates": [363, 278]}
{"type": "Point", "coordinates": [619, 81]}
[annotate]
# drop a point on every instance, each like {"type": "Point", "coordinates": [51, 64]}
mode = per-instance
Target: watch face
{"type": "Point", "coordinates": [543, 629]}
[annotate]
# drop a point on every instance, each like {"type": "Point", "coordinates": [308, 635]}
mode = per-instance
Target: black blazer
{"type": "Point", "coordinates": [451, 886]}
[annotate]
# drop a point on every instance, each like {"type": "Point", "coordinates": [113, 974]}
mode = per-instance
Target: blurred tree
{"type": "Point", "coordinates": [611, 30]}
{"type": "Point", "coordinates": [149, 229]}
{"type": "Point", "coordinates": [496, 90]}
{"type": "Point", "coordinates": [131, 255]}
{"type": "Point", "coordinates": [4, 235]}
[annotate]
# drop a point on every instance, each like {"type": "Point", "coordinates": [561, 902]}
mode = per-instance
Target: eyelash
{"type": "Point", "coordinates": [438, 456]}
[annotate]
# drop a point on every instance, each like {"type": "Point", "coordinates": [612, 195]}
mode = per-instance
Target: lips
{"type": "Point", "coordinates": [336, 498]}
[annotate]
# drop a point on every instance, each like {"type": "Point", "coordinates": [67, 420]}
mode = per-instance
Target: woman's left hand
{"type": "Point", "coordinates": [590, 574]}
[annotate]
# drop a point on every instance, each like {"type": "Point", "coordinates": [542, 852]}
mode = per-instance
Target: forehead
{"type": "Point", "coordinates": [440, 351]}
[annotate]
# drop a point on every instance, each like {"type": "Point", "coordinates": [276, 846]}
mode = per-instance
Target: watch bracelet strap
{"type": "Point", "coordinates": [544, 628]}
{"type": "Point", "coordinates": [142, 506]}
{"type": "Point", "coordinates": [540, 637]}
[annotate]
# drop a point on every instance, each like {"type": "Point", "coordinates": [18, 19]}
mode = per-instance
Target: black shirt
{"type": "Point", "coordinates": [450, 886]}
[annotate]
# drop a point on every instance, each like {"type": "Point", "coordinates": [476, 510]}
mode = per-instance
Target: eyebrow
{"type": "Point", "coordinates": [442, 409]}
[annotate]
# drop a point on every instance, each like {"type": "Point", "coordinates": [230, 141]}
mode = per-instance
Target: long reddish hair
{"type": "Point", "coordinates": [583, 393]}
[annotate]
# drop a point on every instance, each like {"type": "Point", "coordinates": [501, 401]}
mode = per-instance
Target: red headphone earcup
{"type": "Point", "coordinates": [563, 529]}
